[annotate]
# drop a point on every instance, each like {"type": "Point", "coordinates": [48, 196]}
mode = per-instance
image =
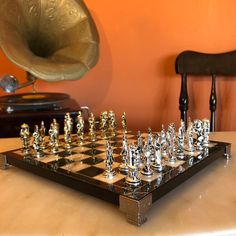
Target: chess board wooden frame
{"type": "Point", "coordinates": [135, 204]}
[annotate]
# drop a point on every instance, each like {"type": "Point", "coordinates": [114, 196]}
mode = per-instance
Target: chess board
{"type": "Point", "coordinates": [82, 168]}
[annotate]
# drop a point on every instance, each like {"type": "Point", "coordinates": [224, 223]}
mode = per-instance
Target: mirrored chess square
{"type": "Point", "coordinates": [91, 171]}
{"type": "Point", "coordinates": [103, 165]}
{"type": "Point", "coordinates": [78, 157]}
{"type": "Point", "coordinates": [92, 152]}
{"type": "Point", "coordinates": [175, 164]}
{"type": "Point", "coordinates": [50, 158]}
{"type": "Point", "coordinates": [81, 149]}
{"type": "Point", "coordinates": [66, 153]}
{"type": "Point", "coordinates": [154, 176]}
{"type": "Point", "coordinates": [112, 180]}
{"type": "Point", "coordinates": [92, 145]}
{"type": "Point", "coordinates": [75, 166]}
{"type": "Point", "coordinates": [103, 155]}
{"type": "Point", "coordinates": [92, 160]}
{"type": "Point", "coordinates": [193, 154]}
{"type": "Point", "coordinates": [102, 142]}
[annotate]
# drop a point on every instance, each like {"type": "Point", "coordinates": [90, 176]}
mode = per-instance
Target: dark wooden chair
{"type": "Point", "coordinates": [201, 64]}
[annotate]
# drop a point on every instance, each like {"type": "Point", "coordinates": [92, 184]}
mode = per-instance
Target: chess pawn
{"type": "Point", "coordinates": [198, 128]}
{"type": "Point", "coordinates": [80, 128]}
{"type": "Point", "coordinates": [54, 136]}
{"type": "Point", "coordinates": [56, 128]}
{"type": "Point", "coordinates": [91, 121]}
{"type": "Point", "coordinates": [42, 134]}
{"type": "Point", "coordinates": [157, 164]}
{"type": "Point", "coordinates": [147, 171]}
{"type": "Point", "coordinates": [171, 129]}
{"type": "Point", "coordinates": [68, 128]}
{"type": "Point", "coordinates": [124, 153]}
{"type": "Point", "coordinates": [25, 138]}
{"type": "Point", "coordinates": [180, 141]}
{"type": "Point", "coordinates": [189, 138]}
{"type": "Point", "coordinates": [171, 135]}
{"type": "Point", "coordinates": [139, 150]}
{"type": "Point", "coordinates": [151, 144]}
{"type": "Point", "coordinates": [132, 176]}
{"type": "Point", "coordinates": [109, 172]}
{"type": "Point", "coordinates": [112, 123]}
{"type": "Point", "coordinates": [150, 137]}
{"type": "Point", "coordinates": [138, 155]}
{"type": "Point", "coordinates": [140, 141]}
{"type": "Point", "coordinates": [104, 124]}
{"type": "Point", "coordinates": [206, 132]}
{"type": "Point", "coordinates": [37, 142]}
{"type": "Point", "coordinates": [124, 123]}
{"type": "Point", "coordinates": [171, 140]}
{"type": "Point", "coordinates": [164, 145]}
{"type": "Point", "coordinates": [172, 155]}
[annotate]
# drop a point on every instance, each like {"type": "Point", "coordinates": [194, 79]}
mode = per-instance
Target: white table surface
{"type": "Point", "coordinates": [203, 205]}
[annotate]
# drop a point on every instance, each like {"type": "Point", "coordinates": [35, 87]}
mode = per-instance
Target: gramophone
{"type": "Point", "coordinates": [52, 40]}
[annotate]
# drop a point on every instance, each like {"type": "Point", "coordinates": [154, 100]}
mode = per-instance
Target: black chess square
{"type": "Point", "coordinates": [56, 164]}
{"type": "Point", "coordinates": [65, 153]}
{"type": "Point", "coordinates": [117, 150]}
{"type": "Point", "coordinates": [92, 152]}
{"type": "Point", "coordinates": [91, 171]}
{"type": "Point", "coordinates": [92, 145]}
{"type": "Point", "coordinates": [118, 159]}
{"type": "Point", "coordinates": [92, 160]}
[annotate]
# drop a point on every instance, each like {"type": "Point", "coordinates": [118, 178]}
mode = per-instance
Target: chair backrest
{"type": "Point", "coordinates": [199, 64]}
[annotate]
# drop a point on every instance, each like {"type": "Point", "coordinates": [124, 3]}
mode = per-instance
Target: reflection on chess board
{"type": "Point", "coordinates": [87, 161]}
{"type": "Point", "coordinates": [119, 165]}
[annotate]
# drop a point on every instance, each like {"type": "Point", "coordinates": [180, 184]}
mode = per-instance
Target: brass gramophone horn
{"type": "Point", "coordinates": [51, 39]}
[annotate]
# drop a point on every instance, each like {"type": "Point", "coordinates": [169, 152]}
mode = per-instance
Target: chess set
{"type": "Point", "coordinates": [131, 170]}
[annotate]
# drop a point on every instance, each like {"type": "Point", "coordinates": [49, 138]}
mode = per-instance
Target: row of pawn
{"type": "Point", "coordinates": [107, 124]}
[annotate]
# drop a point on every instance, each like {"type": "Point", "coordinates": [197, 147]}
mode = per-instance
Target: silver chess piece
{"type": "Point", "coordinates": [54, 136]}
{"type": "Point", "coordinates": [189, 138]}
{"type": "Point", "coordinates": [37, 142]}
{"type": "Point", "coordinates": [171, 140]}
{"type": "Point", "coordinates": [68, 129]}
{"type": "Point", "coordinates": [150, 144]}
{"type": "Point", "coordinates": [80, 128]}
{"type": "Point", "coordinates": [157, 164]}
{"type": "Point", "coordinates": [104, 124]}
{"type": "Point", "coordinates": [132, 177]}
{"type": "Point", "coordinates": [124, 153]}
{"type": "Point", "coordinates": [198, 128]}
{"type": "Point", "coordinates": [206, 132]}
{"type": "Point", "coordinates": [150, 137]}
{"type": "Point", "coordinates": [139, 151]}
{"type": "Point", "coordinates": [180, 140]}
{"type": "Point", "coordinates": [140, 141]}
{"type": "Point", "coordinates": [112, 123]}
{"type": "Point", "coordinates": [25, 138]}
{"type": "Point", "coordinates": [124, 123]}
{"type": "Point", "coordinates": [146, 170]}
{"type": "Point", "coordinates": [109, 172]}
{"type": "Point", "coordinates": [164, 145]}
{"type": "Point", "coordinates": [91, 121]}
{"type": "Point", "coordinates": [42, 131]}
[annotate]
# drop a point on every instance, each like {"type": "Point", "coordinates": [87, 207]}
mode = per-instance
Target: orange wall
{"type": "Point", "coordinates": [139, 43]}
